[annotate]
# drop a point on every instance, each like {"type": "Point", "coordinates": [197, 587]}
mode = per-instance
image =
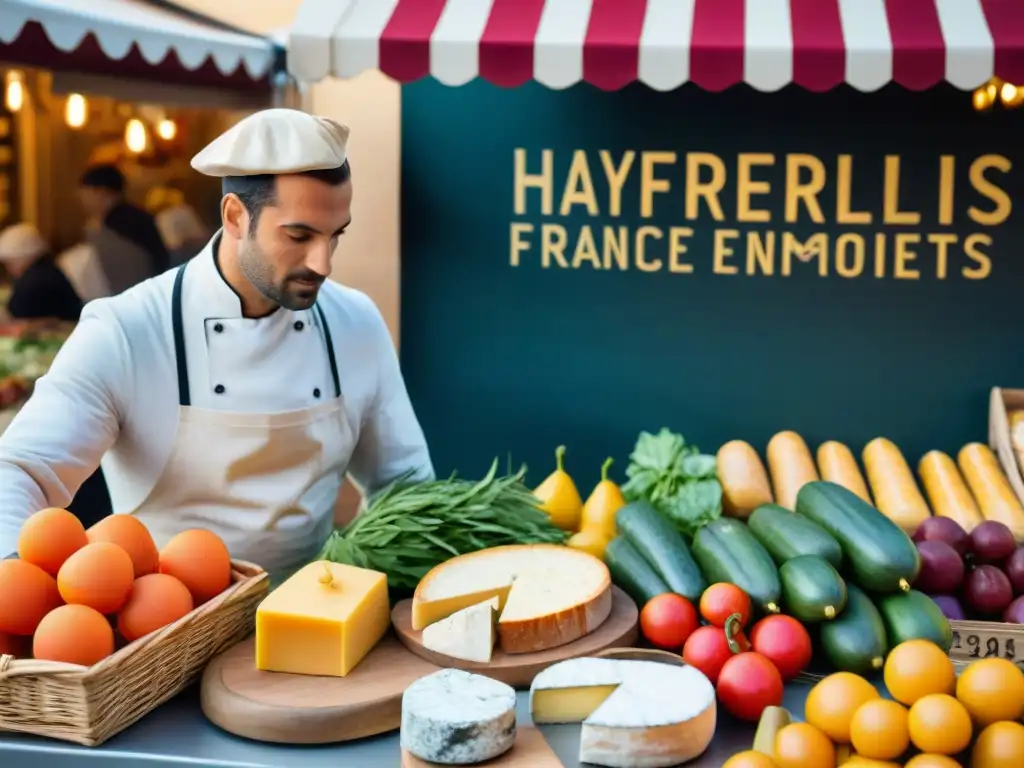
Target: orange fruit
{"type": "Point", "coordinates": [200, 560]}
{"type": "Point", "coordinates": [939, 723]}
{"type": "Point", "coordinates": [130, 535]}
{"type": "Point", "coordinates": [917, 668]}
{"type": "Point", "coordinates": [156, 600]}
{"type": "Point", "coordinates": [98, 575]}
{"type": "Point", "coordinates": [749, 759]}
{"type": "Point", "coordinates": [859, 761]}
{"type": "Point", "coordinates": [75, 634]}
{"type": "Point", "coordinates": [879, 729]}
{"type": "Point", "coordinates": [931, 761]}
{"type": "Point", "coordinates": [992, 690]}
{"type": "Point", "coordinates": [49, 537]}
{"type": "Point", "coordinates": [831, 703]}
{"type": "Point", "coordinates": [801, 745]}
{"type": "Point", "coordinates": [27, 593]}
{"type": "Point", "coordinates": [1000, 745]}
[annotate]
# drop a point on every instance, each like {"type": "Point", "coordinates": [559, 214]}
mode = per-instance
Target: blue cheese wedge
{"type": "Point", "coordinates": [456, 718]}
{"type": "Point", "coordinates": [467, 635]}
{"type": "Point", "coordinates": [633, 714]}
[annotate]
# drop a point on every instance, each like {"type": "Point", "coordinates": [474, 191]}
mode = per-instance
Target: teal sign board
{"type": "Point", "coordinates": [578, 266]}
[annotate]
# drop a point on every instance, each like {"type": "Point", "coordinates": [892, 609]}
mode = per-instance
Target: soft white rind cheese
{"type": "Point", "coordinates": [456, 718]}
{"type": "Point", "coordinates": [548, 595]}
{"type": "Point", "coordinates": [657, 715]}
{"type": "Point", "coordinates": [467, 634]}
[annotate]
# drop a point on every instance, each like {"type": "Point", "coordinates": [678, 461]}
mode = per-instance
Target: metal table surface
{"type": "Point", "coordinates": [178, 733]}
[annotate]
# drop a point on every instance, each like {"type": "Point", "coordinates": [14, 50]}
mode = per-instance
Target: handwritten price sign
{"type": "Point", "coordinates": [982, 640]}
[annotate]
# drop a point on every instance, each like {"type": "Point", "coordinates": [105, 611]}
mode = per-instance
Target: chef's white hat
{"type": "Point", "coordinates": [276, 142]}
{"type": "Point", "coordinates": [20, 241]}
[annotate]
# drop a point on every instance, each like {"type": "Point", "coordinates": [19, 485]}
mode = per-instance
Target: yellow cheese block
{"type": "Point", "coordinates": [548, 595]}
{"type": "Point", "coordinates": [322, 621]}
{"type": "Point", "coordinates": [568, 705]}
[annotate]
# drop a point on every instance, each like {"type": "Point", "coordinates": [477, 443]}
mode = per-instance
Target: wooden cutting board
{"type": "Point", "coordinates": [519, 669]}
{"type": "Point", "coordinates": [531, 750]}
{"type": "Point", "coordinates": [303, 709]}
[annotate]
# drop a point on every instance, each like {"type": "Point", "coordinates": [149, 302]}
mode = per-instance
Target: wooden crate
{"type": "Point", "coordinates": [1001, 402]}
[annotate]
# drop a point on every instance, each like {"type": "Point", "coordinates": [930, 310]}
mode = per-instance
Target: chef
{"type": "Point", "coordinates": [235, 392]}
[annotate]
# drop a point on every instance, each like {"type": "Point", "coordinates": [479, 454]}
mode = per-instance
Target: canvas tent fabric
{"type": "Point", "coordinates": [768, 44]}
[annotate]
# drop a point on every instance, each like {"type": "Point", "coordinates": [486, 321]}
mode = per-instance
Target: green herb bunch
{"type": "Point", "coordinates": [408, 528]}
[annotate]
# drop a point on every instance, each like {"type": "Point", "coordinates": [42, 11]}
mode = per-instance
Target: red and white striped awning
{"type": "Point", "coordinates": [817, 44]}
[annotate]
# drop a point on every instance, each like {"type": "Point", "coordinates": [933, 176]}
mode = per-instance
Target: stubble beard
{"type": "Point", "coordinates": [257, 269]}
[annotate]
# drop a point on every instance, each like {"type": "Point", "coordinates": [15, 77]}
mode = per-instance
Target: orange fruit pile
{"type": "Point", "coordinates": [70, 587]}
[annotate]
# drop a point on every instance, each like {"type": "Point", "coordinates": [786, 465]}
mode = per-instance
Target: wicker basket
{"type": "Point", "coordinates": [88, 705]}
{"type": "Point", "coordinates": [973, 640]}
{"type": "Point", "coordinates": [1001, 401]}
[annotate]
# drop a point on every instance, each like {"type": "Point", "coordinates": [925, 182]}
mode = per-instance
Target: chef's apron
{"type": "Point", "coordinates": [266, 483]}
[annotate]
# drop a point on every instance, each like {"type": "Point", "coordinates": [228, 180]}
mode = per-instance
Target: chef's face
{"type": "Point", "coordinates": [288, 255]}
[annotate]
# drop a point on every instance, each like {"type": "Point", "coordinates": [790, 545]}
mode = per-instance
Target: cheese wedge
{"type": "Point", "coordinates": [634, 714]}
{"type": "Point", "coordinates": [467, 634]}
{"type": "Point", "coordinates": [548, 595]}
{"type": "Point", "coordinates": [322, 621]}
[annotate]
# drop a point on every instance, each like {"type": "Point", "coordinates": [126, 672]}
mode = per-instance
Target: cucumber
{"type": "Point", "coordinates": [880, 555]}
{"type": "Point", "coordinates": [914, 616]}
{"type": "Point", "coordinates": [812, 590]}
{"type": "Point", "coordinates": [856, 640]}
{"type": "Point", "coordinates": [726, 550]}
{"type": "Point", "coordinates": [662, 546]}
{"type": "Point", "coordinates": [630, 571]}
{"type": "Point", "coordinates": [786, 535]}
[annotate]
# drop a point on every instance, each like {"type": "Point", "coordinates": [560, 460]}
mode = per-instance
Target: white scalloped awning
{"type": "Point", "coordinates": [155, 30]}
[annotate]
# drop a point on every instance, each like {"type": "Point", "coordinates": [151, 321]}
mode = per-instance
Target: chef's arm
{"type": "Point", "coordinates": [391, 441]}
{"type": "Point", "coordinates": [58, 438]}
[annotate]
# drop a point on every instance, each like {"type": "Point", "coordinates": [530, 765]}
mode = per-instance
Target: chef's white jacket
{"type": "Point", "coordinates": [112, 392]}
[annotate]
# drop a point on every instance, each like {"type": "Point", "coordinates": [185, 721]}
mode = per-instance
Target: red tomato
{"type": "Point", "coordinates": [785, 642]}
{"type": "Point", "coordinates": [722, 600]}
{"type": "Point", "coordinates": [747, 684]}
{"type": "Point", "coordinates": [667, 620]}
{"type": "Point", "coordinates": [710, 647]}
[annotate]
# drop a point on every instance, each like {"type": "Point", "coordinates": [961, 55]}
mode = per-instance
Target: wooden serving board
{"type": "Point", "coordinates": [304, 709]}
{"type": "Point", "coordinates": [531, 750]}
{"type": "Point", "coordinates": [519, 669]}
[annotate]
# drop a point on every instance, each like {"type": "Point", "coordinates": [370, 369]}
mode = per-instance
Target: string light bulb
{"type": "Point", "coordinates": [14, 91]}
{"type": "Point", "coordinates": [996, 91]}
{"type": "Point", "coordinates": [167, 129]}
{"type": "Point", "coordinates": [135, 136]}
{"type": "Point", "coordinates": [76, 110]}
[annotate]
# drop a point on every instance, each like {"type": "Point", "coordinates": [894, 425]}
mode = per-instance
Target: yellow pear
{"type": "Point", "coordinates": [604, 501]}
{"type": "Point", "coordinates": [559, 497]}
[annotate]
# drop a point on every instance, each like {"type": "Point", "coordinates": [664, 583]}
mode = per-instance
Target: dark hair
{"type": "Point", "coordinates": [106, 177]}
{"type": "Point", "coordinates": [257, 192]}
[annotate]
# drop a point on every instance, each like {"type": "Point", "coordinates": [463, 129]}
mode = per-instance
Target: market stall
{"type": "Point", "coordinates": [780, 276]}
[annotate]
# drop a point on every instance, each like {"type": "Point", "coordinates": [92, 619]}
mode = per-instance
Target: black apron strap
{"type": "Point", "coordinates": [330, 351]}
{"type": "Point", "coordinates": [178, 326]}
{"type": "Point", "coordinates": [184, 395]}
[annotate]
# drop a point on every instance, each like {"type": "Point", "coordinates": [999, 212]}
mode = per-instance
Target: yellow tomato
{"type": "Point", "coordinates": [917, 668]}
{"type": "Point", "coordinates": [939, 723]}
{"type": "Point", "coordinates": [801, 745]}
{"type": "Point", "coordinates": [1000, 745]}
{"type": "Point", "coordinates": [931, 761]}
{"type": "Point", "coordinates": [749, 759]}
{"type": "Point", "coordinates": [879, 729]}
{"type": "Point", "coordinates": [992, 690]}
{"type": "Point", "coordinates": [831, 703]}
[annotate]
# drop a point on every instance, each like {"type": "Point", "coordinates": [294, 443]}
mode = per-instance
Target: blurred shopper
{"type": "Point", "coordinates": [81, 265]}
{"type": "Point", "coordinates": [182, 231]}
{"type": "Point", "coordinates": [126, 238]}
{"type": "Point", "coordinates": [40, 290]}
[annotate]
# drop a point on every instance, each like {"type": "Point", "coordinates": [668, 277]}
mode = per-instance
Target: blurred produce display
{"type": "Point", "coordinates": [27, 349]}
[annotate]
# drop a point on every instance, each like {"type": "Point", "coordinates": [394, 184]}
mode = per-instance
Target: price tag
{"type": "Point", "coordinates": [973, 642]}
